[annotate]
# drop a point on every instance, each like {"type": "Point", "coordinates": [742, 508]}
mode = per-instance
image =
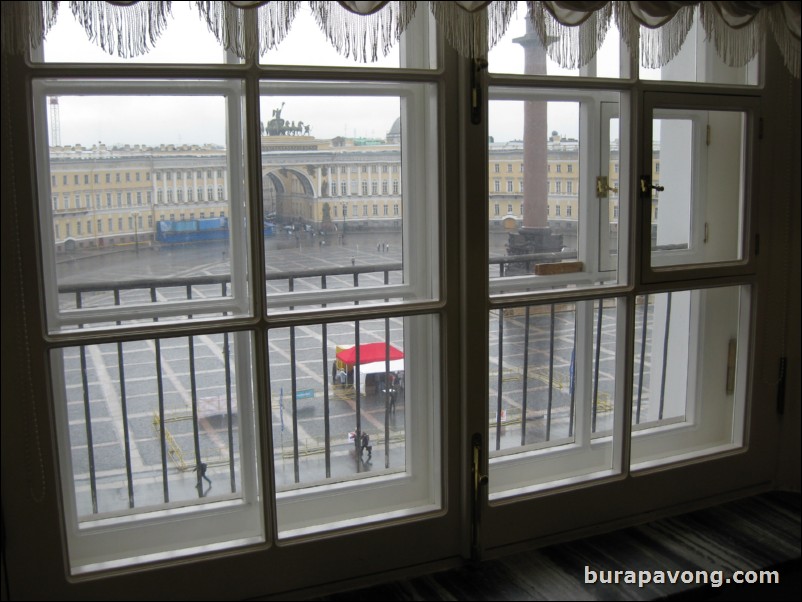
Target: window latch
{"type": "Point", "coordinates": [646, 187]}
{"type": "Point", "coordinates": [603, 187]}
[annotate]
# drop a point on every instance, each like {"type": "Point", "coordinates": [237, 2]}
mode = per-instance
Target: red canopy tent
{"type": "Point", "coordinates": [369, 353]}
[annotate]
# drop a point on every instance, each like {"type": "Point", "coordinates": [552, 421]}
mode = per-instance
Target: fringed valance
{"type": "Point", "coordinates": [365, 30]}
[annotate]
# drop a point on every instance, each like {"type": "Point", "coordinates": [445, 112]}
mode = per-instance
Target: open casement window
{"type": "Point", "coordinates": [207, 272]}
{"type": "Point", "coordinates": [695, 185]}
{"type": "Point", "coordinates": [562, 146]}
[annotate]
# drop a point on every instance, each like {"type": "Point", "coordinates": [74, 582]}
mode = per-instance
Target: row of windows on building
{"type": "Point", "coordinates": [555, 187]}
{"type": "Point", "coordinates": [120, 177]}
{"type": "Point", "coordinates": [109, 200]}
{"type": "Point", "coordinates": [343, 210]}
{"type": "Point", "coordinates": [356, 187]}
{"type": "Point", "coordinates": [373, 168]}
{"type": "Point", "coordinates": [78, 179]}
{"type": "Point", "coordinates": [553, 210]}
{"type": "Point", "coordinates": [133, 223]}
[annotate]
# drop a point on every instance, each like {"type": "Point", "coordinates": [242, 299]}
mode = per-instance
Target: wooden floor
{"type": "Point", "coordinates": [760, 532]}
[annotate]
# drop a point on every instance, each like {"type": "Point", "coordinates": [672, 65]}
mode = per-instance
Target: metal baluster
{"type": "Point", "coordinates": [596, 366]}
{"type": "Point", "coordinates": [551, 374]}
{"type": "Point", "coordinates": [665, 357]}
{"type": "Point", "coordinates": [90, 447]}
{"type": "Point", "coordinates": [294, 387]}
{"type": "Point", "coordinates": [642, 356]}
{"type": "Point", "coordinates": [525, 377]}
{"type": "Point", "coordinates": [357, 397]}
{"type": "Point", "coordinates": [124, 407]}
{"type": "Point", "coordinates": [326, 407]}
{"type": "Point", "coordinates": [326, 410]}
{"type": "Point", "coordinates": [195, 416]}
{"type": "Point", "coordinates": [126, 434]}
{"type": "Point", "coordinates": [387, 393]}
{"type": "Point", "coordinates": [572, 379]}
{"type": "Point", "coordinates": [500, 368]}
{"type": "Point", "coordinates": [229, 405]}
{"type": "Point", "coordinates": [89, 439]}
{"type": "Point", "coordinates": [160, 389]}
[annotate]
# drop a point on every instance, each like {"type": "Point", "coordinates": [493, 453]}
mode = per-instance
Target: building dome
{"type": "Point", "coordinates": [394, 134]}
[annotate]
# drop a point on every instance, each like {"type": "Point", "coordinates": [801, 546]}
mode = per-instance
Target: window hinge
{"type": "Point", "coordinates": [479, 483]}
{"type": "Point", "coordinates": [476, 92]}
{"type": "Point", "coordinates": [707, 141]}
{"type": "Point", "coordinates": [603, 187]}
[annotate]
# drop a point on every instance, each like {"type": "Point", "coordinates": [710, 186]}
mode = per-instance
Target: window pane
{"type": "Point", "coordinates": [553, 371]}
{"type": "Point", "coordinates": [67, 41]}
{"type": "Point", "coordinates": [306, 44]}
{"type": "Point", "coordinates": [521, 52]}
{"type": "Point", "coordinates": [698, 182]}
{"type": "Point", "coordinates": [152, 426]}
{"type": "Point", "coordinates": [339, 397]}
{"type": "Point", "coordinates": [323, 159]}
{"type": "Point", "coordinates": [560, 232]}
{"type": "Point", "coordinates": [689, 373]}
{"type": "Point", "coordinates": [696, 61]}
{"type": "Point", "coordinates": [154, 258]}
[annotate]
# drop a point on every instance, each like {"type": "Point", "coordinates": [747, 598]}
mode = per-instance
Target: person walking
{"type": "Point", "coordinates": [365, 445]}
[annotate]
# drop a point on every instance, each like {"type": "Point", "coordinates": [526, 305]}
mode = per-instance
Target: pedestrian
{"type": "Point", "coordinates": [365, 445]}
{"type": "Point", "coordinates": [378, 247]}
{"type": "Point", "coordinates": [201, 470]}
{"type": "Point", "coordinates": [353, 261]}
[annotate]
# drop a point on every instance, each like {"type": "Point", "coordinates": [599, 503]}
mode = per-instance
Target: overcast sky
{"type": "Point", "coordinates": [185, 120]}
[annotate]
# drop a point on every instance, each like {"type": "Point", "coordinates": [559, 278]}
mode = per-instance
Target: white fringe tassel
{"type": "Point", "coordinates": [570, 46]}
{"type": "Point", "coordinates": [735, 46]}
{"type": "Point", "coordinates": [464, 30]}
{"type": "Point", "coordinates": [361, 36]}
{"type": "Point", "coordinates": [126, 30]}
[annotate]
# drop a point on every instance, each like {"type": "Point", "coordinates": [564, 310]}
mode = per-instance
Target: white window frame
{"type": "Point", "coordinates": [594, 110]}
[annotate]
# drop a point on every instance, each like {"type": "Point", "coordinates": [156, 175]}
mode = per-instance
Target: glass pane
{"type": "Point", "coordinates": [697, 187]}
{"type": "Point", "coordinates": [521, 52]}
{"type": "Point", "coordinates": [67, 41]}
{"type": "Point", "coordinates": [340, 197]}
{"type": "Point", "coordinates": [688, 387]}
{"type": "Point", "coordinates": [150, 426]}
{"type": "Point", "coordinates": [339, 398]}
{"type": "Point", "coordinates": [696, 61]}
{"type": "Point", "coordinates": [307, 44]}
{"type": "Point", "coordinates": [156, 408]}
{"type": "Point", "coordinates": [138, 218]}
{"type": "Point", "coordinates": [547, 228]}
{"type": "Point", "coordinates": [552, 392]}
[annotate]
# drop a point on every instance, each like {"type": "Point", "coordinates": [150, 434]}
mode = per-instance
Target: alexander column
{"type": "Point", "coordinates": [535, 236]}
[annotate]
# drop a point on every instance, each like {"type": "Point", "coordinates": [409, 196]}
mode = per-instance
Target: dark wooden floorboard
{"type": "Point", "coordinates": [757, 533]}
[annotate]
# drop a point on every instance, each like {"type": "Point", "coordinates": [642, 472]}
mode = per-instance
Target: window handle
{"type": "Point", "coordinates": [646, 186]}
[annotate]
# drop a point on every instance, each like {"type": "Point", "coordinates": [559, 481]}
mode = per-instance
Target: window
{"type": "Point", "coordinates": [578, 351]}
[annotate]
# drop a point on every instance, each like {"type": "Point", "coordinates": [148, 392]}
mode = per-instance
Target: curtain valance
{"type": "Point", "coordinates": [364, 30]}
